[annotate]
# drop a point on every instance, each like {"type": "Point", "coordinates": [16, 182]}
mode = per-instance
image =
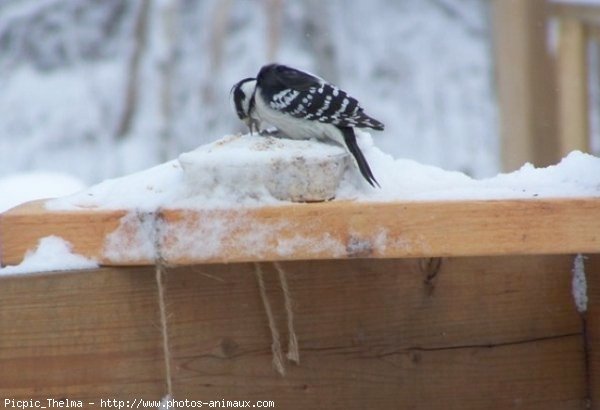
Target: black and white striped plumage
{"type": "Point", "coordinates": [303, 106]}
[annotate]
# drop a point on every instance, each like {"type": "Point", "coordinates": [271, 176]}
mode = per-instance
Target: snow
{"type": "Point", "coordinates": [227, 164]}
{"type": "Point", "coordinates": [39, 130]}
{"type": "Point", "coordinates": [64, 73]}
{"type": "Point", "coordinates": [52, 254]}
{"type": "Point", "coordinates": [578, 174]}
{"type": "Point", "coordinates": [18, 188]}
{"type": "Point", "coordinates": [322, 242]}
{"type": "Point", "coordinates": [166, 185]}
{"type": "Point", "coordinates": [217, 228]}
{"type": "Point", "coordinates": [153, 188]}
{"type": "Point", "coordinates": [579, 284]}
{"type": "Point", "coordinates": [134, 239]}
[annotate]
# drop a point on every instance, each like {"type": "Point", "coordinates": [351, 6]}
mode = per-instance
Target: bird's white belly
{"type": "Point", "coordinates": [296, 128]}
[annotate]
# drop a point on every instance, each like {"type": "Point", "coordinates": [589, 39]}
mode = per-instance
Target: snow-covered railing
{"type": "Point", "coordinates": [435, 291]}
{"type": "Point", "coordinates": [330, 230]}
{"type": "Point", "coordinates": [578, 25]}
{"type": "Point", "coordinates": [542, 60]}
{"type": "Point", "coordinates": [464, 302]}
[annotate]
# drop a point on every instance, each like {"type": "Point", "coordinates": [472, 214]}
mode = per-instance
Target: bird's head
{"type": "Point", "coordinates": [242, 96]}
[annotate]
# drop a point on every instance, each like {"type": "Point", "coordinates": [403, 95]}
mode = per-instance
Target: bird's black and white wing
{"type": "Point", "coordinates": [307, 97]}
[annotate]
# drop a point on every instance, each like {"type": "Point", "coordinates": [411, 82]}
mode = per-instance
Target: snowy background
{"type": "Point", "coordinates": [100, 88]}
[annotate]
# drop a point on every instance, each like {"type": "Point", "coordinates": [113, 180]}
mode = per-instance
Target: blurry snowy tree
{"type": "Point", "coordinates": [99, 88]}
{"type": "Point", "coordinates": [138, 42]}
{"type": "Point", "coordinates": [52, 34]}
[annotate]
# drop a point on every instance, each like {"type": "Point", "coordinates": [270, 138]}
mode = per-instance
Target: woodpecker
{"type": "Point", "coordinates": [303, 106]}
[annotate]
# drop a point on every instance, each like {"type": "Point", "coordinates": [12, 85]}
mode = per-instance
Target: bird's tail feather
{"type": "Point", "coordinates": [363, 165]}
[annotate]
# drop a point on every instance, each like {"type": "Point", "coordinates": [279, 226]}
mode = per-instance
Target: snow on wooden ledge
{"type": "Point", "coordinates": [223, 203]}
{"type": "Point", "coordinates": [331, 230]}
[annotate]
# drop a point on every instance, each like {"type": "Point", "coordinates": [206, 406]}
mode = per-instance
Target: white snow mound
{"type": "Point", "coordinates": [224, 174]}
{"type": "Point", "coordinates": [52, 254]}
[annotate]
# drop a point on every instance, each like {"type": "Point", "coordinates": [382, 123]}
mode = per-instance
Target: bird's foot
{"type": "Point", "coordinates": [271, 132]}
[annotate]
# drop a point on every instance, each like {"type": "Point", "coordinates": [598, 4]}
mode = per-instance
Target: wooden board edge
{"type": "Point", "coordinates": [311, 231]}
{"type": "Point", "coordinates": [22, 228]}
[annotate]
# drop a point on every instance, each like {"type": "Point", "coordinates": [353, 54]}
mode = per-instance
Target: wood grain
{"type": "Point", "coordinates": [592, 322]}
{"type": "Point", "coordinates": [22, 227]}
{"type": "Point", "coordinates": [314, 231]}
{"type": "Point", "coordinates": [482, 333]}
{"type": "Point", "coordinates": [87, 334]}
{"type": "Point", "coordinates": [471, 333]}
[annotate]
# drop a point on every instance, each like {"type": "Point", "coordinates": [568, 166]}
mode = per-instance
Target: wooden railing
{"type": "Point", "coordinates": [578, 24]}
{"type": "Point", "coordinates": [543, 95]}
{"type": "Point", "coordinates": [445, 304]}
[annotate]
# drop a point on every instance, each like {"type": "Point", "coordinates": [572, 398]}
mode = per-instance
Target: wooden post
{"type": "Point", "coordinates": [526, 83]}
{"type": "Point", "coordinates": [572, 80]}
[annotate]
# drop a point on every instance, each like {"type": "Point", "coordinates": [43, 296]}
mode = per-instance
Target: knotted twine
{"type": "Point", "coordinates": [293, 353]}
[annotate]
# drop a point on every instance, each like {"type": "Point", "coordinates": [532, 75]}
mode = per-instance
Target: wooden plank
{"type": "Point", "coordinates": [587, 13]}
{"type": "Point", "coordinates": [22, 227]}
{"type": "Point", "coordinates": [572, 86]}
{"type": "Point", "coordinates": [81, 335]}
{"type": "Point", "coordinates": [543, 375]}
{"type": "Point", "coordinates": [485, 333]}
{"type": "Point", "coordinates": [382, 230]}
{"type": "Point", "coordinates": [474, 333]}
{"type": "Point", "coordinates": [526, 83]}
{"type": "Point", "coordinates": [592, 317]}
{"type": "Point", "coordinates": [314, 231]}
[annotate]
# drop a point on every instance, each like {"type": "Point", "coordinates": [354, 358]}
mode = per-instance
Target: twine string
{"type": "Point", "coordinates": [160, 271]}
{"type": "Point", "coordinates": [275, 340]}
{"type": "Point", "coordinates": [293, 353]}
